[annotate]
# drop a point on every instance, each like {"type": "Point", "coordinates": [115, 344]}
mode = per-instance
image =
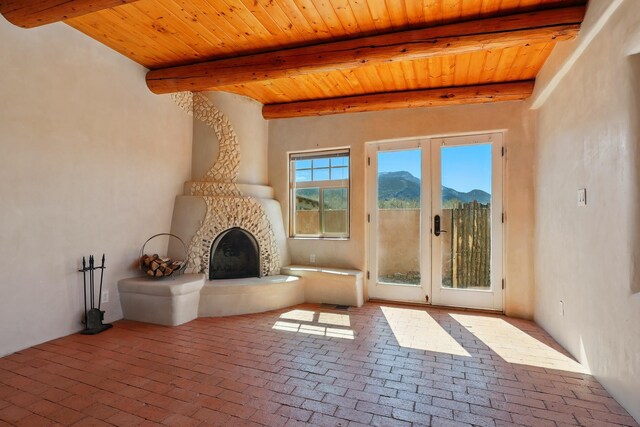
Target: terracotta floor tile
{"type": "Point", "coordinates": [34, 420]}
{"type": "Point", "coordinates": [269, 419]}
{"type": "Point", "coordinates": [124, 419]}
{"type": "Point", "coordinates": [381, 365]}
{"type": "Point", "coordinates": [13, 414]}
{"type": "Point", "coordinates": [91, 422]}
{"type": "Point", "coordinates": [22, 399]}
{"type": "Point", "coordinates": [178, 420]}
{"type": "Point", "coordinates": [66, 416]}
{"type": "Point", "coordinates": [209, 416]}
{"type": "Point", "coordinates": [77, 402]}
{"type": "Point", "coordinates": [153, 413]}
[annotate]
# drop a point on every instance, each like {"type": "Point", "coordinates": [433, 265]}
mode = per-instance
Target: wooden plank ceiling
{"type": "Point", "coordinates": [161, 34]}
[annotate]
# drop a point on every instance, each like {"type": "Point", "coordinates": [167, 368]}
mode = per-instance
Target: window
{"type": "Point", "coordinates": [319, 197]}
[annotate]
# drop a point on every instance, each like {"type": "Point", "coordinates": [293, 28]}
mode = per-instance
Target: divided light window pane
{"type": "Point", "coordinates": [334, 205]}
{"type": "Point", "coordinates": [320, 194]}
{"type": "Point", "coordinates": [340, 161]}
{"type": "Point", "coordinates": [339, 173]}
{"type": "Point", "coordinates": [303, 164]}
{"type": "Point", "coordinates": [303, 175]}
{"type": "Point", "coordinates": [321, 174]}
{"type": "Point", "coordinates": [307, 214]}
{"type": "Point", "coordinates": [321, 163]}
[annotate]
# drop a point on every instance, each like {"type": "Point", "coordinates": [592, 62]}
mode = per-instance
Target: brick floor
{"type": "Point", "coordinates": [383, 365]}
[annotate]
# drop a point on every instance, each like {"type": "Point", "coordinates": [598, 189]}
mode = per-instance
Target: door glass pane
{"type": "Point", "coordinates": [399, 193]}
{"type": "Point", "coordinates": [334, 202]}
{"type": "Point", "coordinates": [466, 217]}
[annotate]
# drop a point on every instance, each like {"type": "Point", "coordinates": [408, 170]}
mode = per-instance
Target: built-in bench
{"type": "Point", "coordinates": [171, 301]}
{"type": "Point", "coordinates": [326, 285]}
{"type": "Point", "coordinates": [177, 300]}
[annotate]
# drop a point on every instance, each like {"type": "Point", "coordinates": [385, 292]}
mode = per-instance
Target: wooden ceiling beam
{"type": "Point", "coordinates": [453, 39]}
{"type": "Point", "coordinates": [513, 91]}
{"type": "Point", "coordinates": [34, 13]}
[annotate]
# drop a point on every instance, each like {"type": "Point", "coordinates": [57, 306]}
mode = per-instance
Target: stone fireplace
{"type": "Point", "coordinates": [234, 229]}
{"type": "Point", "coordinates": [229, 217]}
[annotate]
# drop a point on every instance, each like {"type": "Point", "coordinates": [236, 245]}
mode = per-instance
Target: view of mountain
{"type": "Point", "coordinates": [398, 185]}
{"type": "Point", "coordinates": [396, 190]}
{"type": "Point", "coordinates": [477, 195]}
{"type": "Point", "coordinates": [403, 186]}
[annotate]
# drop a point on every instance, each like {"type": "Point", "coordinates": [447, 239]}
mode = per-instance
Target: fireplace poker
{"type": "Point", "coordinates": [101, 277]}
{"type": "Point", "coordinates": [84, 287]}
{"type": "Point", "coordinates": [91, 280]}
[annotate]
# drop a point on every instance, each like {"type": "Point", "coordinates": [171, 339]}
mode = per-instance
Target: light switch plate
{"type": "Point", "coordinates": [582, 197]}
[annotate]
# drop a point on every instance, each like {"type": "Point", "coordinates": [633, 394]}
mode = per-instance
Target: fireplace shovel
{"type": "Point", "coordinates": [94, 316]}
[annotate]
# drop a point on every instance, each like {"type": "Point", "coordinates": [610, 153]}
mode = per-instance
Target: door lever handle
{"type": "Point", "coordinates": [436, 226]}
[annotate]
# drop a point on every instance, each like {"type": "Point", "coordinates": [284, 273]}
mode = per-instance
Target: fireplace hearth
{"type": "Point", "coordinates": [234, 255]}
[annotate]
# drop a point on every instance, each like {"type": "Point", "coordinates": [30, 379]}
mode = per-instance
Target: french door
{"type": "Point", "coordinates": [435, 221]}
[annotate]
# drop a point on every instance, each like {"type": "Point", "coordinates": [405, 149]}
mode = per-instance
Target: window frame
{"type": "Point", "coordinates": [321, 185]}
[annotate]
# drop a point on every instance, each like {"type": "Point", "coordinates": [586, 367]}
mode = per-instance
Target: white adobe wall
{"type": "Point", "coordinates": [354, 130]}
{"type": "Point", "coordinates": [589, 257]}
{"type": "Point", "coordinates": [90, 162]}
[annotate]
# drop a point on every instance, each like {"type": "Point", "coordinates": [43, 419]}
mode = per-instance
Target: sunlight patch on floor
{"type": "Point", "coordinates": [416, 329]}
{"type": "Point", "coordinates": [312, 323]}
{"type": "Point", "coordinates": [516, 346]}
{"type": "Point", "coordinates": [334, 319]}
{"type": "Point", "coordinates": [301, 315]}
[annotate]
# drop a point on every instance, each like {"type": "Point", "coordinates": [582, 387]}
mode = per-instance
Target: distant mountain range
{"type": "Point", "coordinates": [404, 186]}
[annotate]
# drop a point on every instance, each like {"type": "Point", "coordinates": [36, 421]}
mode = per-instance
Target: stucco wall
{"type": "Point", "coordinates": [90, 162]}
{"type": "Point", "coordinates": [589, 257]}
{"type": "Point", "coordinates": [354, 130]}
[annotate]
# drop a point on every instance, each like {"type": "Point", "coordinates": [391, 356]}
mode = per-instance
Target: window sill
{"type": "Point", "coordinates": [318, 238]}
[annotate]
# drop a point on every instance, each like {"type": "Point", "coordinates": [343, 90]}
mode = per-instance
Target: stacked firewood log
{"type": "Point", "coordinates": [159, 267]}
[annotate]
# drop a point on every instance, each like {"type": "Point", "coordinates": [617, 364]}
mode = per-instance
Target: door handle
{"type": "Point", "coordinates": [436, 226]}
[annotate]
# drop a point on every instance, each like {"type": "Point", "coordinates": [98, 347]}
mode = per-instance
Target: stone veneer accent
{"type": "Point", "coordinates": [226, 205]}
{"type": "Point", "coordinates": [224, 213]}
{"type": "Point", "coordinates": [226, 167]}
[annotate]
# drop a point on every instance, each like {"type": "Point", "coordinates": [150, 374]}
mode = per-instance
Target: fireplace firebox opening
{"type": "Point", "coordinates": [234, 254]}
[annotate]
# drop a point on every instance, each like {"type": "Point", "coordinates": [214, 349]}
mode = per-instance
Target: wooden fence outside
{"type": "Point", "coordinates": [470, 246]}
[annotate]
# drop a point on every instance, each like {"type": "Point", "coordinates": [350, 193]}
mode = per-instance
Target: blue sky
{"type": "Point", "coordinates": [465, 168]}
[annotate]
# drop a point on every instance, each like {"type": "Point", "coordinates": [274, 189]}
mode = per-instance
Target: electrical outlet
{"type": "Point", "coordinates": [312, 258]}
{"type": "Point", "coordinates": [582, 197]}
{"type": "Point", "coordinates": [105, 297]}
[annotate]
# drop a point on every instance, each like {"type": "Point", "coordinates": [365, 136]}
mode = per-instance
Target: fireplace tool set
{"type": "Point", "coordinates": [93, 316]}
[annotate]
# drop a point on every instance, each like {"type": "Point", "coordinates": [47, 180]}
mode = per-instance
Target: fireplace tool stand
{"type": "Point", "coordinates": [93, 316]}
